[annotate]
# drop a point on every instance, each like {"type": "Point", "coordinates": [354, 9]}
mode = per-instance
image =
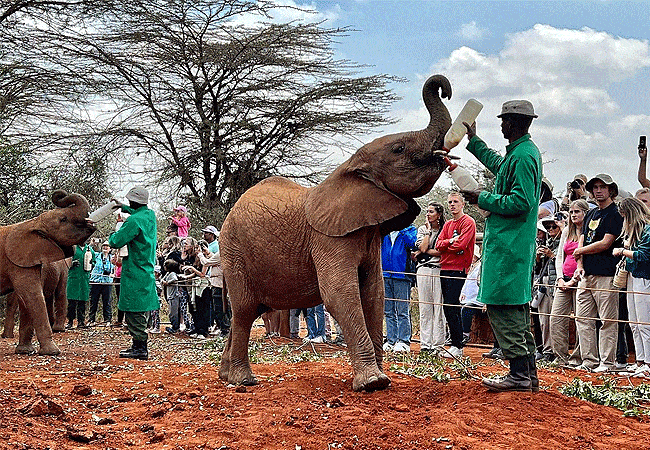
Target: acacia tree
{"type": "Point", "coordinates": [201, 103]}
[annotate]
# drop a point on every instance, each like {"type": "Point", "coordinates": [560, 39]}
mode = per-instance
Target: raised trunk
{"type": "Point", "coordinates": [62, 199]}
{"type": "Point", "coordinates": [440, 120]}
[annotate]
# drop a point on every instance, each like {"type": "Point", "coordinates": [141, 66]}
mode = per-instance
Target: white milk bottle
{"type": "Point", "coordinates": [461, 176]}
{"type": "Point", "coordinates": [88, 257]}
{"type": "Point", "coordinates": [468, 114]}
{"type": "Point", "coordinates": [104, 211]}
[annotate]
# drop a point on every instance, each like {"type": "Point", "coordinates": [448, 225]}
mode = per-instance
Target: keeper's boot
{"type": "Point", "coordinates": [532, 372]}
{"type": "Point", "coordinates": [517, 380]}
{"type": "Point", "coordinates": [137, 351]}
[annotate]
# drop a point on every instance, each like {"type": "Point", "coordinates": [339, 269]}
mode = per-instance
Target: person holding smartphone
{"type": "Point", "coordinates": [643, 157]}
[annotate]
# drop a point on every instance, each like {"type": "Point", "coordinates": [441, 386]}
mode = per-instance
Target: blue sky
{"type": "Point", "coordinates": [584, 65]}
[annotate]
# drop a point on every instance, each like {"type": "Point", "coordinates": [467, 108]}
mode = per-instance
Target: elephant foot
{"type": "Point", "coordinates": [374, 382]}
{"type": "Point", "coordinates": [58, 328]}
{"type": "Point", "coordinates": [49, 349]}
{"type": "Point", "coordinates": [7, 334]}
{"type": "Point", "coordinates": [25, 349]}
{"type": "Point", "coordinates": [223, 372]}
{"type": "Point", "coordinates": [241, 377]}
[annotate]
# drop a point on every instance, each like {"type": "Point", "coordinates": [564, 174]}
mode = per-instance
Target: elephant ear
{"type": "Point", "coordinates": [347, 201]}
{"type": "Point", "coordinates": [25, 246]}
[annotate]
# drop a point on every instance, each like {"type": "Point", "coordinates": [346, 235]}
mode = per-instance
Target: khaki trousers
{"type": "Point", "coordinates": [599, 305]}
{"type": "Point", "coordinates": [433, 326]}
{"type": "Point", "coordinates": [564, 303]}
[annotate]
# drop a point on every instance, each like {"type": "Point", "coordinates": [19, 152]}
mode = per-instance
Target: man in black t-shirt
{"type": "Point", "coordinates": [597, 296]}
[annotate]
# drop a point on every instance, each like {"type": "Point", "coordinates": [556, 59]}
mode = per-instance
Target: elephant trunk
{"type": "Point", "coordinates": [440, 120]}
{"type": "Point", "coordinates": [63, 200]}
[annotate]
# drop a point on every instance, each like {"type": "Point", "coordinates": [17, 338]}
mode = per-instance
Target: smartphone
{"type": "Point", "coordinates": [642, 141]}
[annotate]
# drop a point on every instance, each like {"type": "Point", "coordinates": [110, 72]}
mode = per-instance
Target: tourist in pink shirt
{"type": "Point", "coordinates": [564, 300]}
{"type": "Point", "coordinates": [181, 221]}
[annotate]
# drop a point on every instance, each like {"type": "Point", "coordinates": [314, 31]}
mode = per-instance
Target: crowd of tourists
{"type": "Point", "coordinates": [590, 273]}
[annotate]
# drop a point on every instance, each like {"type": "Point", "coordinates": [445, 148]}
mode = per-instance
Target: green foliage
{"type": "Point", "coordinates": [627, 400]}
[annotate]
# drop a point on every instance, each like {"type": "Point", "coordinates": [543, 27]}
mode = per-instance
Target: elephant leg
{"type": "Point", "coordinates": [33, 302]}
{"type": "Point", "coordinates": [10, 316]}
{"type": "Point", "coordinates": [372, 302]}
{"type": "Point", "coordinates": [342, 299]}
{"type": "Point", "coordinates": [25, 333]}
{"type": "Point", "coordinates": [60, 310]}
{"type": "Point", "coordinates": [235, 366]}
{"type": "Point", "coordinates": [239, 370]}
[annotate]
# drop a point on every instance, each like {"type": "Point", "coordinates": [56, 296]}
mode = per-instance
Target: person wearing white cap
{"type": "Point", "coordinates": [509, 241]}
{"type": "Point", "coordinates": [138, 284]}
{"type": "Point", "coordinates": [597, 297]}
{"type": "Point", "coordinates": [210, 234]}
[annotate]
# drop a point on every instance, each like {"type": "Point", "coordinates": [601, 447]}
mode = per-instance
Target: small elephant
{"type": "Point", "coordinates": [54, 278]}
{"type": "Point", "coordinates": [25, 248]}
{"type": "Point", "coordinates": [286, 246]}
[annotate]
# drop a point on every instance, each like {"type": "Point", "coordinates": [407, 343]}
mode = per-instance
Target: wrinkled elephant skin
{"type": "Point", "coordinates": [25, 248]}
{"type": "Point", "coordinates": [54, 279]}
{"type": "Point", "coordinates": [286, 246]}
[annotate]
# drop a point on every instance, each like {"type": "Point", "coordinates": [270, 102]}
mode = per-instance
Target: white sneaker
{"type": "Point", "coordinates": [388, 347]}
{"type": "Point", "coordinates": [402, 347]}
{"type": "Point", "coordinates": [583, 368]}
{"type": "Point", "coordinates": [641, 369]}
{"type": "Point", "coordinates": [452, 352]}
{"type": "Point", "coordinates": [620, 367]}
{"type": "Point", "coordinates": [601, 368]}
{"type": "Point", "coordinates": [317, 340]}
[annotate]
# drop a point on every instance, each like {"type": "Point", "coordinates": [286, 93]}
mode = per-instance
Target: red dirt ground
{"type": "Point", "coordinates": [87, 398]}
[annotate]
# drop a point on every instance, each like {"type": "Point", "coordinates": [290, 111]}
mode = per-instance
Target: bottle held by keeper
{"type": "Point", "coordinates": [88, 258]}
{"type": "Point", "coordinates": [461, 176]}
{"type": "Point", "coordinates": [104, 211]}
{"type": "Point", "coordinates": [468, 114]}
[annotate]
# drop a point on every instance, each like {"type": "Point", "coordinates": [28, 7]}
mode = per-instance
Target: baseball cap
{"type": "Point", "coordinates": [138, 194]}
{"type": "Point", "coordinates": [211, 229]}
{"type": "Point", "coordinates": [180, 208]}
{"type": "Point", "coordinates": [521, 107]}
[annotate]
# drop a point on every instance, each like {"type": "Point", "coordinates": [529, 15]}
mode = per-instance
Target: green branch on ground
{"type": "Point", "coordinates": [634, 401]}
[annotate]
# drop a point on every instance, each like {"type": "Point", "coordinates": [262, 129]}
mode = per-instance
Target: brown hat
{"type": "Point", "coordinates": [607, 179]}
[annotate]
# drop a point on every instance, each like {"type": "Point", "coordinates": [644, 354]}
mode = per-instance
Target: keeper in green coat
{"type": "Point", "coordinates": [137, 284]}
{"type": "Point", "coordinates": [78, 287]}
{"type": "Point", "coordinates": [509, 241]}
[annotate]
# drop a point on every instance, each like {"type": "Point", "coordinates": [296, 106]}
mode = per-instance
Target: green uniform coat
{"type": "Point", "coordinates": [137, 282]}
{"type": "Point", "coordinates": [509, 240]}
{"type": "Point", "coordinates": [78, 279]}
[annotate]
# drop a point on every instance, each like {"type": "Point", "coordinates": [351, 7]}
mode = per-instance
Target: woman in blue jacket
{"type": "Point", "coordinates": [636, 228]}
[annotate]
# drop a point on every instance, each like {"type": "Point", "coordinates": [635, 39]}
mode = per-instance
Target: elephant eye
{"type": "Point", "coordinates": [398, 148]}
{"type": "Point", "coordinates": [64, 219]}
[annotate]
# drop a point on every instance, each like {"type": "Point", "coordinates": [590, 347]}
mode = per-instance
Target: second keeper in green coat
{"type": "Point", "coordinates": [137, 283]}
{"type": "Point", "coordinates": [509, 242]}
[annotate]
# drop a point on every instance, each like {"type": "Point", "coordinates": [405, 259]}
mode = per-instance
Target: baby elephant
{"type": "Point", "coordinates": [286, 246]}
{"type": "Point", "coordinates": [25, 249]}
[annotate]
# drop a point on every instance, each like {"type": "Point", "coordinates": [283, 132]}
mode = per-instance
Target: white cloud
{"type": "Point", "coordinates": [569, 75]}
{"type": "Point", "coordinates": [471, 31]}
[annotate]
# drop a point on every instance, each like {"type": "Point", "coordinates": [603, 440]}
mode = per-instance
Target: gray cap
{"type": "Point", "coordinates": [521, 107]}
{"type": "Point", "coordinates": [211, 229]}
{"type": "Point", "coordinates": [605, 178]}
{"type": "Point", "coordinates": [138, 194]}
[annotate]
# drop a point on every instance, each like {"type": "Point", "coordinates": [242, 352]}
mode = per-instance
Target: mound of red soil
{"type": "Point", "coordinates": [88, 398]}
